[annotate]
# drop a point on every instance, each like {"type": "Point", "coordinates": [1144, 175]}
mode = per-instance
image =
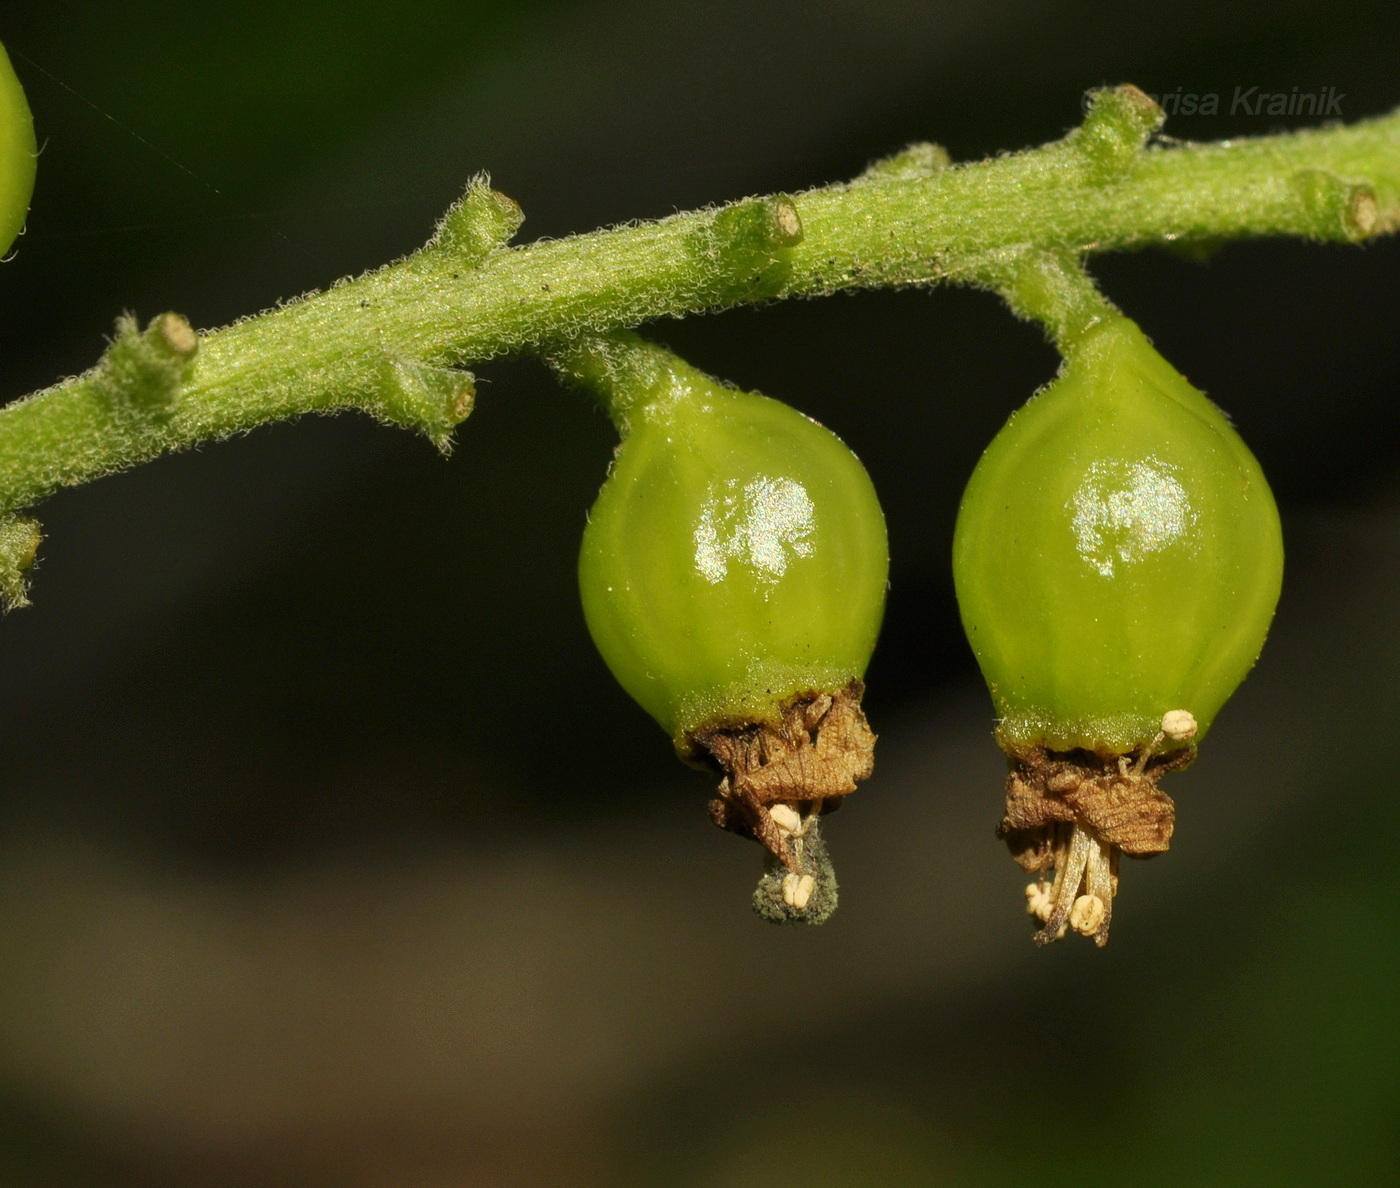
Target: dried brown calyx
{"type": "Point", "coordinates": [1075, 813]}
{"type": "Point", "coordinates": [778, 780]}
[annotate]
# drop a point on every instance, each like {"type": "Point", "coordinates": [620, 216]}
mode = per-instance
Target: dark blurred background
{"type": "Point", "coordinates": [331, 855]}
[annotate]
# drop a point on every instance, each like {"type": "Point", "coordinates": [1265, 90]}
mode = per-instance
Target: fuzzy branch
{"type": "Point", "coordinates": [394, 343]}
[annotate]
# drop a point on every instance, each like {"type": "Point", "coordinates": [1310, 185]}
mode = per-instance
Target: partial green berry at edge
{"type": "Point", "coordinates": [1117, 560]}
{"type": "Point", "coordinates": [733, 576]}
{"type": "Point", "coordinates": [18, 154]}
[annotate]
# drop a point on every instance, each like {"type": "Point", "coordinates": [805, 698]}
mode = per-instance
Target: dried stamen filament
{"type": "Point", "coordinates": [1081, 896]}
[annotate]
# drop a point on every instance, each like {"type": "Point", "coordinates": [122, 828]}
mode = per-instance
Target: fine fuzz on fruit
{"type": "Point", "coordinates": [733, 577]}
{"type": "Point", "coordinates": [1117, 561]}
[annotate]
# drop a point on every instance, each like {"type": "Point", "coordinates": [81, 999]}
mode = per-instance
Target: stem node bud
{"type": "Point", "coordinates": [917, 160]}
{"type": "Point", "coordinates": [434, 400]}
{"type": "Point", "coordinates": [1335, 209]}
{"type": "Point", "coordinates": [145, 370]}
{"type": "Point", "coordinates": [19, 545]}
{"type": "Point", "coordinates": [747, 246]}
{"type": "Point", "coordinates": [480, 222]}
{"type": "Point", "coordinates": [1117, 125]}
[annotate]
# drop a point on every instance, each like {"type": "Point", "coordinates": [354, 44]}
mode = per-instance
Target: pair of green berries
{"type": "Point", "coordinates": [1117, 559]}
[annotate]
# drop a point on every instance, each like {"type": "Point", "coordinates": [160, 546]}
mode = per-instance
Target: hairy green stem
{"type": "Point", "coordinates": [1050, 286]}
{"type": "Point", "coordinates": [393, 342]}
{"type": "Point", "coordinates": [625, 373]}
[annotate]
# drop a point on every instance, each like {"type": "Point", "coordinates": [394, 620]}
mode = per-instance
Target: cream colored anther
{"type": "Point", "coordinates": [1179, 725]}
{"type": "Point", "coordinates": [1087, 914]}
{"type": "Point", "coordinates": [786, 818]}
{"type": "Point", "coordinates": [1038, 901]}
{"type": "Point", "coordinates": [797, 890]}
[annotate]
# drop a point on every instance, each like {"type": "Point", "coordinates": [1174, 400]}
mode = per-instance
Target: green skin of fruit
{"type": "Point", "coordinates": [17, 154]}
{"type": "Point", "coordinates": [1117, 554]}
{"type": "Point", "coordinates": [735, 558]}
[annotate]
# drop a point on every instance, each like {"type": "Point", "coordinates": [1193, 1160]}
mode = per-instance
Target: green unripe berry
{"type": "Point", "coordinates": [1117, 561]}
{"type": "Point", "coordinates": [1117, 554]}
{"type": "Point", "coordinates": [733, 577]}
{"type": "Point", "coordinates": [17, 154]}
{"type": "Point", "coordinates": [735, 557]}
